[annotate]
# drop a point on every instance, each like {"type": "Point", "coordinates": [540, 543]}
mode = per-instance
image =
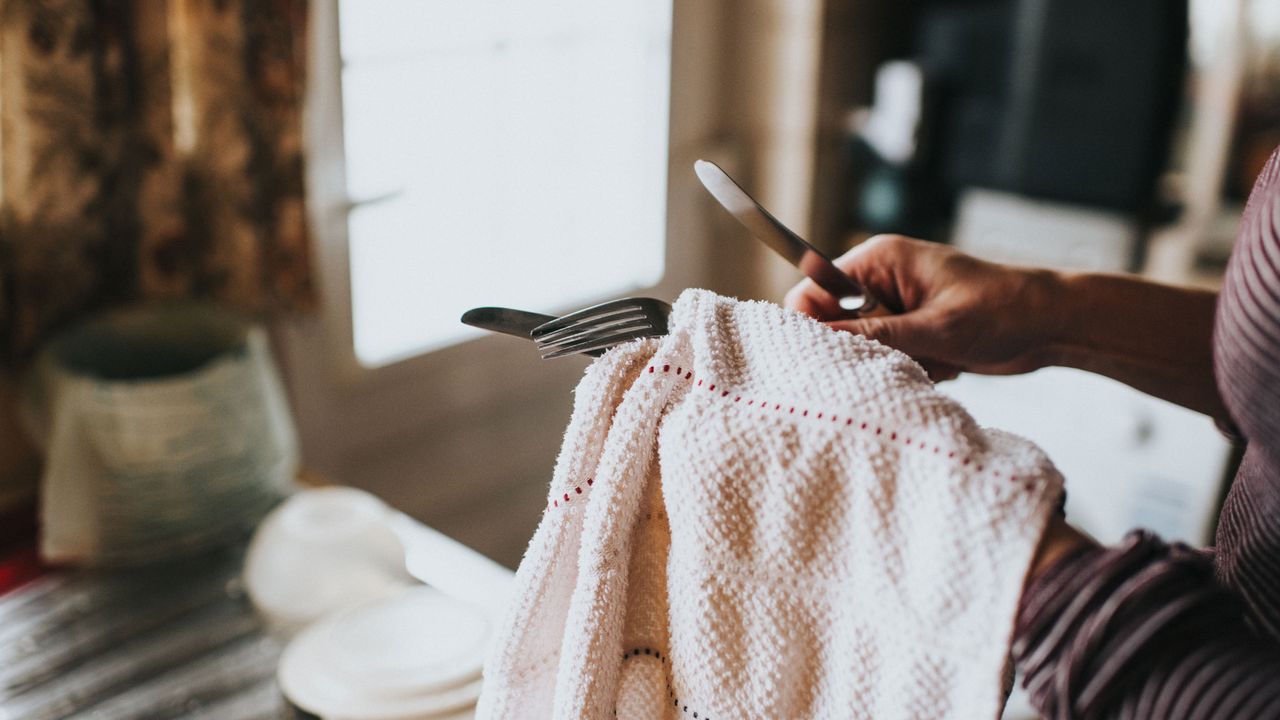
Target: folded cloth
{"type": "Point", "coordinates": [758, 517]}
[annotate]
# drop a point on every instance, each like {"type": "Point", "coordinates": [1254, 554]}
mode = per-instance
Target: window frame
{"type": "Point", "coordinates": [345, 409]}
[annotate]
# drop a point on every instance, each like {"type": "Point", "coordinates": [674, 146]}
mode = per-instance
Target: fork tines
{"type": "Point", "coordinates": [602, 326]}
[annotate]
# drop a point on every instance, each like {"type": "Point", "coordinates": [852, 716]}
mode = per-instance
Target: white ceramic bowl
{"type": "Point", "coordinates": [323, 550]}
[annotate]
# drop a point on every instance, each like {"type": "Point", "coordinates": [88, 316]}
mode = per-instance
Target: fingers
{"type": "Point", "coordinates": [909, 332]}
{"type": "Point", "coordinates": [938, 371]}
{"type": "Point", "coordinates": [812, 300]}
{"type": "Point", "coordinates": [914, 278]}
{"type": "Point", "coordinates": [885, 266]}
{"type": "Point", "coordinates": [878, 264]}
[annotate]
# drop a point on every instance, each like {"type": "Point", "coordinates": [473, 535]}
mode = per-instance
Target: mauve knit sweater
{"type": "Point", "coordinates": [1148, 630]}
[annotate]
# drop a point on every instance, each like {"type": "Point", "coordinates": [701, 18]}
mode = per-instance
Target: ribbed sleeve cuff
{"type": "Point", "coordinates": [1098, 621]}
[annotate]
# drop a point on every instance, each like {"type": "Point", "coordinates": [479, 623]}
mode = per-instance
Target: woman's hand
{"type": "Point", "coordinates": [957, 313]}
{"type": "Point", "coordinates": [953, 312]}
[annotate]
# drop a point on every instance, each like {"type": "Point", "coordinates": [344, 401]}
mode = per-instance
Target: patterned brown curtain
{"type": "Point", "coordinates": [149, 149]}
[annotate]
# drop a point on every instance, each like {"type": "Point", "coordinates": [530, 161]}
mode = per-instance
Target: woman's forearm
{"type": "Point", "coordinates": [1156, 338]}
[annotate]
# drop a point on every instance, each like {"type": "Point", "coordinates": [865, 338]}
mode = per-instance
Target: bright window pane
{"type": "Point", "coordinates": [526, 144]}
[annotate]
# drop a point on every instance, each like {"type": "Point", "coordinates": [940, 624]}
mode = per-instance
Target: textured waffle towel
{"type": "Point", "coordinates": [758, 517]}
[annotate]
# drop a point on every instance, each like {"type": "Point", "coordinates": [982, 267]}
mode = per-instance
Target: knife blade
{"type": "Point", "coordinates": [508, 321]}
{"type": "Point", "coordinates": [848, 293]}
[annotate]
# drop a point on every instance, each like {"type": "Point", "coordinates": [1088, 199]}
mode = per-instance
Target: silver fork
{"type": "Point", "coordinates": [602, 326]}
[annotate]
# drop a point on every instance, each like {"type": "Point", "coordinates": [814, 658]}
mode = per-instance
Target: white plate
{"type": "Point", "coordinates": [415, 656]}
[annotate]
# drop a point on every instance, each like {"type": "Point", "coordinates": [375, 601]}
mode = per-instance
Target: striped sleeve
{"type": "Point", "coordinates": [1142, 630]}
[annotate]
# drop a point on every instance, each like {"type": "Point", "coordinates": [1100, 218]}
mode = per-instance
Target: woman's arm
{"type": "Point", "coordinates": [956, 313]}
{"type": "Point", "coordinates": [1156, 338]}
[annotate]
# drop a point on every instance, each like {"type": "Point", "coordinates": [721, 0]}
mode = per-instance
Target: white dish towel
{"type": "Point", "coordinates": [758, 517]}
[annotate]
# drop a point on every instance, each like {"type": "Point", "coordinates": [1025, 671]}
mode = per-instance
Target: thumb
{"type": "Point", "coordinates": [910, 332]}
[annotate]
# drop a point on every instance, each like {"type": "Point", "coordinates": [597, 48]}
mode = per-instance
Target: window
{"type": "Point", "coordinates": [499, 153]}
{"type": "Point", "coordinates": [536, 155]}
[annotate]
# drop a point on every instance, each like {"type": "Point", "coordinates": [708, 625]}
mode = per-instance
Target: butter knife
{"type": "Point", "coordinates": [851, 296]}
{"type": "Point", "coordinates": [518, 323]}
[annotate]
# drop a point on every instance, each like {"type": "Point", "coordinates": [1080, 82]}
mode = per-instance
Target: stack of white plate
{"type": "Point", "coordinates": [415, 656]}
